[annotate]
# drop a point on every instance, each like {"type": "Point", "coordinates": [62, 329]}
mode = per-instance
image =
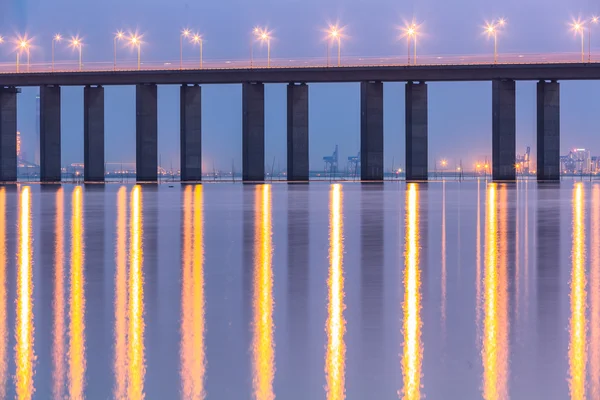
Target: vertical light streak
{"type": "Point", "coordinates": [263, 346]}
{"type": "Point", "coordinates": [3, 329]}
{"type": "Point", "coordinates": [120, 356]}
{"type": "Point", "coordinates": [526, 253]}
{"type": "Point", "coordinates": [335, 362]}
{"type": "Point", "coordinates": [24, 353]}
{"type": "Point", "coordinates": [517, 278]}
{"type": "Point", "coordinates": [412, 356]}
{"type": "Point", "coordinates": [187, 335]}
{"type": "Point", "coordinates": [478, 299]}
{"type": "Point", "coordinates": [192, 347]}
{"type": "Point", "coordinates": [444, 272]}
{"type": "Point", "coordinates": [77, 362]}
{"type": "Point", "coordinates": [577, 324]}
{"type": "Point", "coordinates": [495, 323]}
{"type": "Point", "coordinates": [136, 358]}
{"type": "Point", "coordinates": [58, 342]}
{"type": "Point", "coordinates": [595, 295]}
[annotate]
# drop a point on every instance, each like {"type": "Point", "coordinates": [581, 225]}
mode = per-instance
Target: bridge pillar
{"type": "Point", "coordinates": [297, 132]}
{"type": "Point", "coordinates": [371, 131]}
{"type": "Point", "coordinates": [8, 134]}
{"type": "Point", "coordinates": [146, 133]}
{"type": "Point", "coordinates": [503, 130]}
{"type": "Point", "coordinates": [93, 133]}
{"type": "Point", "coordinates": [416, 131]}
{"type": "Point", "coordinates": [191, 133]}
{"type": "Point", "coordinates": [548, 131]}
{"type": "Point", "coordinates": [253, 131]}
{"type": "Point", "coordinates": [50, 155]}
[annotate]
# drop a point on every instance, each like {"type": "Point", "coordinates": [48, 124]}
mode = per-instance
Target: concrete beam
{"type": "Point", "coordinates": [503, 130]}
{"type": "Point", "coordinates": [146, 133]}
{"type": "Point", "coordinates": [253, 131]}
{"type": "Point", "coordinates": [416, 118]}
{"type": "Point", "coordinates": [50, 154]}
{"type": "Point", "coordinates": [548, 131]}
{"type": "Point", "coordinates": [371, 131]}
{"type": "Point", "coordinates": [93, 133]}
{"type": "Point", "coordinates": [8, 134]}
{"type": "Point", "coordinates": [297, 132]}
{"type": "Point", "coordinates": [191, 133]}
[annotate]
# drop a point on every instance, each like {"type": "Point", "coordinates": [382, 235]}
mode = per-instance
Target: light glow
{"type": "Point", "coordinates": [412, 347]}
{"type": "Point", "coordinates": [58, 336]}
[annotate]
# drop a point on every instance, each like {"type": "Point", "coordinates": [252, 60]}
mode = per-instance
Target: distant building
{"type": "Point", "coordinates": [578, 161]}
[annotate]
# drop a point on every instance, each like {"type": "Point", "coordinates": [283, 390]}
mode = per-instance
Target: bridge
{"type": "Point", "coordinates": [370, 72]}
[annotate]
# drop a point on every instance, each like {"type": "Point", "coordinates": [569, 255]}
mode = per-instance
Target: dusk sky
{"type": "Point", "coordinates": [459, 113]}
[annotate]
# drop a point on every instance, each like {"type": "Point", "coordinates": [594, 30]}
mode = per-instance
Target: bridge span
{"type": "Point", "coordinates": [371, 77]}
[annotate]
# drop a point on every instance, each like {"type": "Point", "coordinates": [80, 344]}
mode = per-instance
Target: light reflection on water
{"type": "Point", "coordinates": [189, 323]}
{"type": "Point", "coordinates": [263, 346]}
{"type": "Point", "coordinates": [412, 357]}
{"type": "Point", "coordinates": [577, 324]}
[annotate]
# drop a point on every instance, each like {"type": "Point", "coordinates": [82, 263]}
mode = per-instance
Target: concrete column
{"type": "Point", "coordinates": [548, 131]}
{"type": "Point", "coordinates": [297, 132]}
{"type": "Point", "coordinates": [146, 133]}
{"type": "Point", "coordinates": [253, 132]}
{"type": "Point", "coordinates": [8, 134]}
{"type": "Point", "coordinates": [191, 133]}
{"type": "Point", "coordinates": [416, 117]}
{"type": "Point", "coordinates": [371, 131]}
{"type": "Point", "coordinates": [503, 130]}
{"type": "Point", "coordinates": [50, 155]}
{"type": "Point", "coordinates": [93, 133]}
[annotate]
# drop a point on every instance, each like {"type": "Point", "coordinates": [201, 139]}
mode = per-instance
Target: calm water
{"type": "Point", "coordinates": [228, 291]}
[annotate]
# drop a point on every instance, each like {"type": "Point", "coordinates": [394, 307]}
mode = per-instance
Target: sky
{"type": "Point", "coordinates": [459, 113]}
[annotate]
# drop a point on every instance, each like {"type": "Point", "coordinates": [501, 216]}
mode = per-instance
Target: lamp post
{"type": "Point", "coordinates": [335, 33]}
{"type": "Point", "coordinates": [118, 36]}
{"type": "Point", "coordinates": [255, 35]}
{"type": "Point", "coordinates": [76, 43]}
{"type": "Point", "coordinates": [23, 45]}
{"type": "Point", "coordinates": [578, 27]}
{"type": "Point", "coordinates": [594, 20]}
{"type": "Point", "coordinates": [197, 39]}
{"type": "Point", "coordinates": [136, 41]}
{"type": "Point", "coordinates": [55, 39]}
{"type": "Point", "coordinates": [185, 33]}
{"type": "Point", "coordinates": [492, 30]}
{"type": "Point", "coordinates": [265, 36]}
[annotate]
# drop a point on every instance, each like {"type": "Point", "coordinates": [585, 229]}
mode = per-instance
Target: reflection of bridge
{"type": "Point", "coordinates": [369, 73]}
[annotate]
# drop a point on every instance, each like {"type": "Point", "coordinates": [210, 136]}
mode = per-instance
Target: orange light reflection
{"type": "Point", "coordinates": [577, 323]}
{"type": "Point", "coordinates": [77, 362]}
{"type": "Point", "coordinates": [595, 295]}
{"type": "Point", "coordinates": [120, 356]}
{"type": "Point", "coordinates": [136, 357]}
{"type": "Point", "coordinates": [192, 326]}
{"type": "Point", "coordinates": [335, 362]}
{"type": "Point", "coordinates": [58, 347]}
{"type": "Point", "coordinates": [24, 347]}
{"type": "Point", "coordinates": [412, 348]}
{"type": "Point", "coordinates": [3, 330]}
{"type": "Point", "coordinates": [263, 347]}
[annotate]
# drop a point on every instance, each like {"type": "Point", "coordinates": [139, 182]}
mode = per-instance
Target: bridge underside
{"type": "Point", "coordinates": [253, 132]}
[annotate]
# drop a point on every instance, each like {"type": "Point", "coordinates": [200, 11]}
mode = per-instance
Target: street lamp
{"type": "Point", "coordinates": [118, 36]}
{"type": "Point", "coordinates": [265, 36]}
{"type": "Point", "coordinates": [594, 20]}
{"type": "Point", "coordinates": [255, 35]}
{"type": "Point", "coordinates": [137, 42]}
{"type": "Point", "coordinates": [184, 33]}
{"type": "Point", "coordinates": [55, 39]}
{"type": "Point", "coordinates": [411, 32]}
{"type": "Point", "coordinates": [578, 27]}
{"type": "Point", "coordinates": [22, 45]}
{"type": "Point", "coordinates": [197, 39]}
{"type": "Point", "coordinates": [335, 33]}
{"type": "Point", "coordinates": [77, 43]}
{"type": "Point", "coordinates": [492, 30]}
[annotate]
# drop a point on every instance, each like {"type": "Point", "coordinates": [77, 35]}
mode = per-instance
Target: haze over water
{"type": "Point", "coordinates": [360, 291]}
